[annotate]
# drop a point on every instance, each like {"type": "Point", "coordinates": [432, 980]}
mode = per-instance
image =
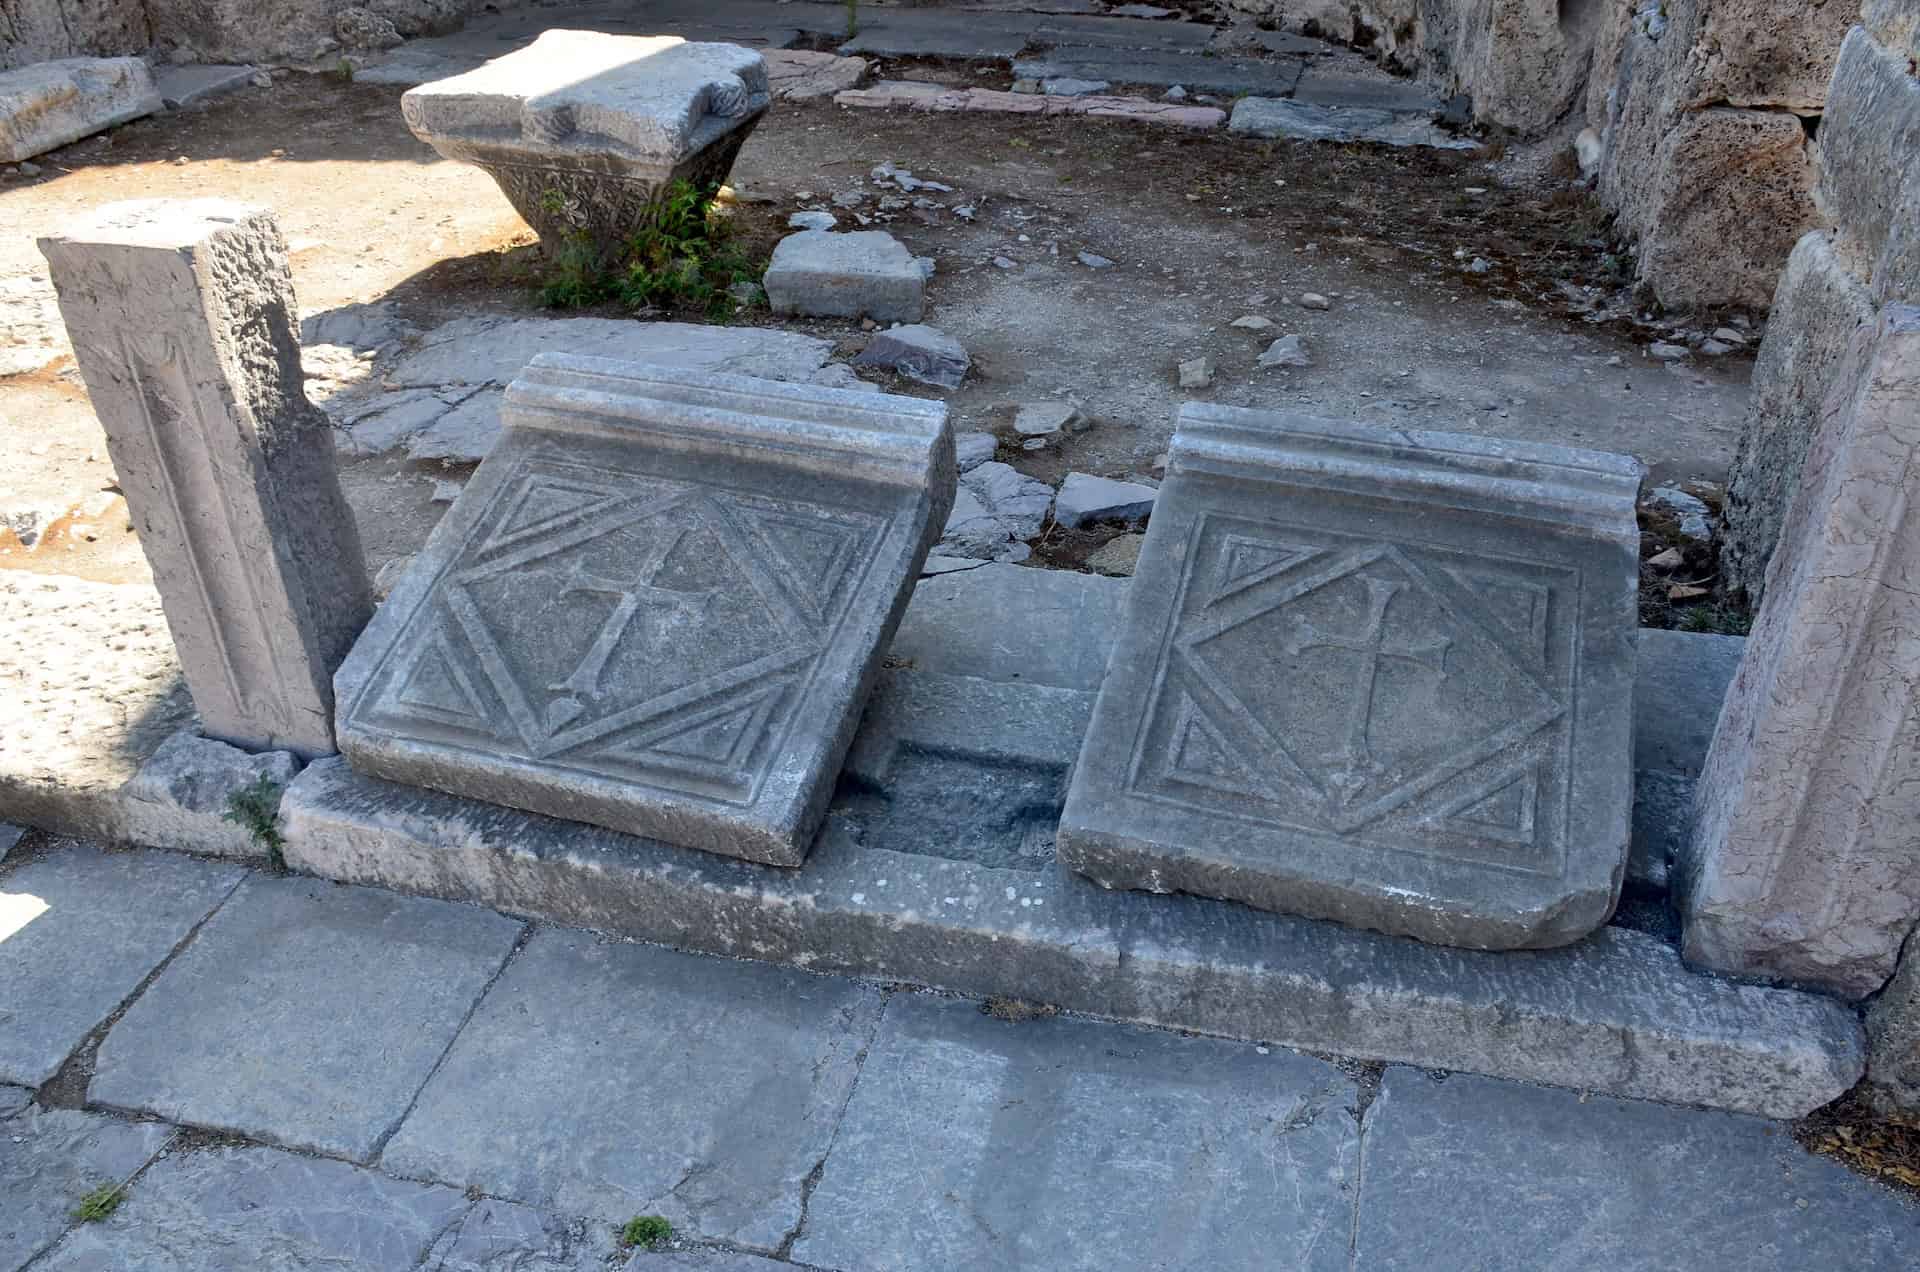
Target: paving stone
{"type": "Point", "coordinates": [1084, 498]}
{"type": "Point", "coordinates": [995, 509]}
{"type": "Point", "coordinates": [701, 1261]}
{"type": "Point", "coordinates": [1196, 73]}
{"type": "Point", "coordinates": [625, 1079]}
{"type": "Point", "coordinates": [48, 104]}
{"type": "Point", "coordinates": [926, 354]}
{"type": "Point", "coordinates": [1325, 86]}
{"type": "Point", "coordinates": [493, 350]}
{"type": "Point", "coordinates": [245, 1209]}
{"type": "Point", "coordinates": [185, 85]}
{"type": "Point", "coordinates": [928, 870]}
{"type": "Point", "coordinates": [1476, 1175]}
{"type": "Point", "coordinates": [972, 1141]}
{"type": "Point", "coordinates": [1063, 637]}
{"type": "Point", "coordinates": [186, 788]}
{"type": "Point", "coordinates": [1304, 121]}
{"type": "Point", "coordinates": [82, 929]}
{"type": "Point", "coordinates": [500, 1236]}
{"type": "Point", "coordinates": [243, 1031]}
{"type": "Point", "coordinates": [909, 95]}
{"type": "Point", "coordinates": [970, 36]}
{"type": "Point", "coordinates": [583, 131]}
{"type": "Point", "coordinates": [796, 75]}
{"type": "Point", "coordinates": [706, 691]}
{"type": "Point", "coordinates": [862, 274]}
{"type": "Point", "coordinates": [181, 316]}
{"type": "Point", "coordinates": [51, 1159]}
{"type": "Point", "coordinates": [1339, 694]}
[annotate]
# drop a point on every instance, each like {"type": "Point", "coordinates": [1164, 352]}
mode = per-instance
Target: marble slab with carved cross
{"type": "Point", "coordinates": [659, 604]}
{"type": "Point", "coordinates": [1375, 676]}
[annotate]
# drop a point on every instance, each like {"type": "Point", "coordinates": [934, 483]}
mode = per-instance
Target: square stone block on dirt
{"type": "Point", "coordinates": [658, 606]}
{"type": "Point", "coordinates": [1071, 1146]}
{"type": "Point", "coordinates": [584, 131]}
{"type": "Point", "coordinates": [305, 1014]}
{"type": "Point", "coordinates": [251, 1209]}
{"type": "Point", "coordinates": [861, 274]}
{"type": "Point", "coordinates": [50, 1159]}
{"type": "Point", "coordinates": [610, 1080]}
{"type": "Point", "coordinates": [1473, 1174]}
{"type": "Point", "coordinates": [79, 930]}
{"type": "Point", "coordinates": [1375, 676]}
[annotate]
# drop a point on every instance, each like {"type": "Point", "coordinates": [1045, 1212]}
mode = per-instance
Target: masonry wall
{"type": "Point", "coordinates": [206, 30]}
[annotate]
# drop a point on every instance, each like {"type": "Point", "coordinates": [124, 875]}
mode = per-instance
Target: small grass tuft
{"type": "Point", "coordinates": [255, 808]}
{"type": "Point", "coordinates": [683, 256]}
{"type": "Point", "coordinates": [1016, 1010]}
{"type": "Point", "coordinates": [100, 1203]}
{"type": "Point", "coordinates": [646, 1232]}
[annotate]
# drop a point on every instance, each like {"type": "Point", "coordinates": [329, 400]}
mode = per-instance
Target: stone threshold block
{"type": "Point", "coordinates": [1806, 865]}
{"type": "Point", "coordinates": [585, 131]}
{"type": "Point", "coordinates": [658, 605]}
{"type": "Point", "coordinates": [182, 318]}
{"type": "Point", "coordinates": [48, 104]}
{"type": "Point", "coordinates": [1374, 676]}
{"type": "Point", "coordinates": [935, 866]}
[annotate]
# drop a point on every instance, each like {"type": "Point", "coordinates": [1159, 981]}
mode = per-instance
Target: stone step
{"type": "Point", "coordinates": [935, 867]}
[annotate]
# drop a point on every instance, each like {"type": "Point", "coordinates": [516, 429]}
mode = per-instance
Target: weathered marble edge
{"type": "Point", "coordinates": [1616, 1013]}
{"type": "Point", "coordinates": [1594, 491]}
{"type": "Point", "coordinates": [883, 437]}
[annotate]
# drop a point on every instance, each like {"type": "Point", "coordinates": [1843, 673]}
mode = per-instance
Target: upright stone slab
{"type": "Point", "coordinates": [584, 131]}
{"type": "Point", "coordinates": [1806, 862]}
{"type": "Point", "coordinates": [182, 315]}
{"type": "Point", "coordinates": [659, 604]}
{"type": "Point", "coordinates": [1376, 676]}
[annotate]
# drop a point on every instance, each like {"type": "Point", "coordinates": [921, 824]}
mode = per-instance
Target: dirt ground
{"type": "Point", "coordinates": [1201, 229]}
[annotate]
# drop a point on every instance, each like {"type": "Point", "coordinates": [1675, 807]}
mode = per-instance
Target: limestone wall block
{"type": "Point", "coordinates": [1759, 53]}
{"type": "Point", "coordinates": [1821, 302]}
{"type": "Point", "coordinates": [42, 30]}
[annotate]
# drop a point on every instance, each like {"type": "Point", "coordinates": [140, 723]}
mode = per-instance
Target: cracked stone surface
{"type": "Point", "coordinates": [79, 930]}
{"type": "Point", "coordinates": [248, 1209]}
{"type": "Point", "coordinates": [980, 1142]}
{"type": "Point", "coordinates": [499, 1236]}
{"type": "Point", "coordinates": [50, 1158]}
{"type": "Point", "coordinates": [1472, 1173]}
{"type": "Point", "coordinates": [612, 1080]}
{"type": "Point", "coordinates": [262, 1025]}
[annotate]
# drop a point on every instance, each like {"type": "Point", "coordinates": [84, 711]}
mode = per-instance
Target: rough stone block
{"type": "Point", "coordinates": [658, 605]}
{"type": "Point", "coordinates": [995, 509]}
{"type": "Point", "coordinates": [1728, 194]}
{"type": "Point", "coordinates": [1892, 1084]}
{"type": "Point", "coordinates": [185, 85]}
{"type": "Point", "coordinates": [185, 790]}
{"type": "Point", "coordinates": [913, 95]}
{"type": "Point", "coordinates": [49, 104]}
{"type": "Point", "coordinates": [245, 1209]}
{"type": "Point", "coordinates": [584, 131]}
{"type": "Point", "coordinates": [1870, 161]}
{"type": "Point", "coordinates": [54, 1157]}
{"type": "Point", "coordinates": [1773, 54]}
{"type": "Point", "coordinates": [1374, 676]}
{"type": "Point", "coordinates": [863, 274]}
{"type": "Point", "coordinates": [926, 354]}
{"type": "Point", "coordinates": [797, 75]}
{"type": "Point", "coordinates": [1304, 121]}
{"type": "Point", "coordinates": [243, 1031]}
{"type": "Point", "coordinates": [930, 1171]}
{"type": "Point", "coordinates": [182, 319]}
{"type": "Point", "coordinates": [1806, 866]}
{"type": "Point", "coordinates": [1818, 306]}
{"type": "Point", "coordinates": [1085, 498]}
{"type": "Point", "coordinates": [613, 1087]}
{"type": "Point", "coordinates": [41, 30]}
{"type": "Point", "coordinates": [1469, 1174]}
{"type": "Point", "coordinates": [82, 929]}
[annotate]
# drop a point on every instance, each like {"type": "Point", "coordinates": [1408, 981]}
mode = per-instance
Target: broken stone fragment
{"type": "Point", "coordinates": [1287, 351]}
{"type": "Point", "coordinates": [1196, 373]}
{"type": "Point", "coordinates": [1084, 498]}
{"type": "Point", "coordinates": [1042, 419]}
{"type": "Point", "coordinates": [994, 508]}
{"type": "Point", "coordinates": [970, 450]}
{"type": "Point", "coordinates": [918, 352]}
{"type": "Point", "coordinates": [584, 131]}
{"type": "Point", "coordinates": [865, 273]}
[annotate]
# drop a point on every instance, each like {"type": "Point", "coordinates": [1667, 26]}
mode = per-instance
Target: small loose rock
{"type": "Point", "coordinates": [1196, 373]}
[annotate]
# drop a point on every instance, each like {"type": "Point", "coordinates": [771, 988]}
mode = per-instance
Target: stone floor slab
{"type": "Point", "coordinates": [304, 1014]}
{"type": "Point", "coordinates": [1196, 73]}
{"type": "Point", "coordinates": [79, 930]}
{"type": "Point", "coordinates": [185, 85]}
{"type": "Point", "coordinates": [500, 1236]}
{"type": "Point", "coordinates": [1064, 1144]}
{"type": "Point", "coordinates": [255, 1209]}
{"type": "Point", "coordinates": [611, 1080]}
{"type": "Point", "coordinates": [702, 1261]}
{"type": "Point", "coordinates": [1474, 1175]}
{"type": "Point", "coordinates": [50, 1159]}
{"type": "Point", "coordinates": [1011, 623]}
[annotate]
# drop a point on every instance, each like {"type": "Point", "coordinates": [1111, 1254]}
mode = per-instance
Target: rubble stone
{"type": "Point", "coordinates": [863, 274]}
{"type": "Point", "coordinates": [1084, 498]}
{"type": "Point", "coordinates": [922, 353]}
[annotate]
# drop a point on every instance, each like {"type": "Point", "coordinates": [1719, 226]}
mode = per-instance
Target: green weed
{"type": "Point", "coordinates": [100, 1203]}
{"type": "Point", "coordinates": [255, 808]}
{"type": "Point", "coordinates": [647, 1232]}
{"type": "Point", "coordinates": [683, 256]}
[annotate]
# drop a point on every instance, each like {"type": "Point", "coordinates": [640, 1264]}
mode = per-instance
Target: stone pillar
{"type": "Point", "coordinates": [181, 314]}
{"type": "Point", "coordinates": [1806, 863]}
